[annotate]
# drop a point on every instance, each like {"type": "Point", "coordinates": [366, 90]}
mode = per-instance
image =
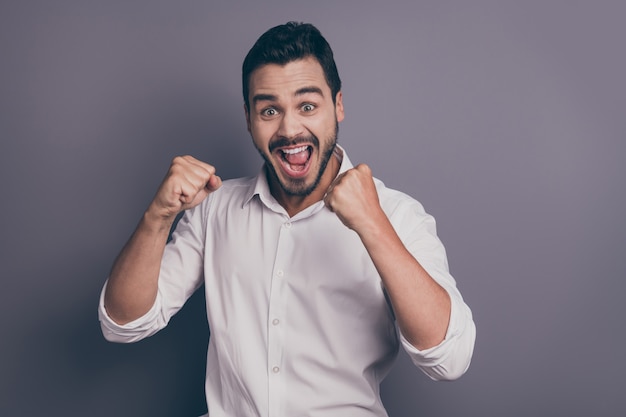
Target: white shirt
{"type": "Point", "coordinates": [299, 320]}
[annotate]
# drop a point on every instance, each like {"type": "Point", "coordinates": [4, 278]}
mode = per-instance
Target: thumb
{"type": "Point", "coordinates": [214, 183]}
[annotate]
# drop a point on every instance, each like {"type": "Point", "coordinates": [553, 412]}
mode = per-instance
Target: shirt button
{"type": "Point", "coordinates": [275, 322]}
{"type": "Point", "coordinates": [280, 273]}
{"type": "Point", "coordinates": [288, 225]}
{"type": "Point", "coordinates": [276, 369]}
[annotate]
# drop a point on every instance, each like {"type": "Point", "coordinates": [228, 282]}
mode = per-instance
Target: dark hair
{"type": "Point", "coordinates": [286, 43]}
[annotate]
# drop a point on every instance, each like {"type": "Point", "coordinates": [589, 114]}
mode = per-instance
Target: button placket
{"type": "Point", "coordinates": [276, 315]}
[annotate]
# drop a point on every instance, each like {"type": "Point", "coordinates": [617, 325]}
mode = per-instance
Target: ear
{"type": "Point", "coordinates": [339, 107]}
{"type": "Point", "coordinates": [245, 109]}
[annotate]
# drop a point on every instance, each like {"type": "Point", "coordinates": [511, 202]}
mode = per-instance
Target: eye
{"type": "Point", "coordinates": [308, 107]}
{"type": "Point", "coordinates": [269, 112]}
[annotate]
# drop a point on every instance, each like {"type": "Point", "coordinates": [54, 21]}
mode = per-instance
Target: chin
{"type": "Point", "coordinates": [300, 187]}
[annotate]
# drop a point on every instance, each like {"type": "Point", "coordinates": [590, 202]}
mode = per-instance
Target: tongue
{"type": "Point", "coordinates": [299, 158]}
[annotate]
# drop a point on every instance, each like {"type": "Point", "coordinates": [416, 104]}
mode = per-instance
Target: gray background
{"type": "Point", "coordinates": [505, 119]}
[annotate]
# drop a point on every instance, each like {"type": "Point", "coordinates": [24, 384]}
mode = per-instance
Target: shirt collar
{"type": "Point", "coordinates": [261, 187]}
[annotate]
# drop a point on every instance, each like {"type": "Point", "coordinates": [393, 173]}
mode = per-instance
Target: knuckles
{"type": "Point", "coordinates": [178, 160]}
{"type": "Point", "coordinates": [186, 164]}
{"type": "Point", "coordinates": [181, 160]}
{"type": "Point", "coordinates": [364, 169]}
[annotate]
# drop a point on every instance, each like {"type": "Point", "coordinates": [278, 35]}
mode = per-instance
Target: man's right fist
{"type": "Point", "coordinates": [187, 183]}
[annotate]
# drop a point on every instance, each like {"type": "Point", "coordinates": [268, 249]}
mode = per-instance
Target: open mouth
{"type": "Point", "coordinates": [295, 161]}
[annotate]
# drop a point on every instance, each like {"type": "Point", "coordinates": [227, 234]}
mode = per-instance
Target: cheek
{"type": "Point", "coordinates": [260, 135]}
{"type": "Point", "coordinates": [328, 127]}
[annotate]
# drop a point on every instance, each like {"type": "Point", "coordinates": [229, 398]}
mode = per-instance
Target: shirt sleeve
{"type": "Point", "coordinates": [181, 274]}
{"type": "Point", "coordinates": [451, 358]}
{"type": "Point", "coordinates": [138, 329]}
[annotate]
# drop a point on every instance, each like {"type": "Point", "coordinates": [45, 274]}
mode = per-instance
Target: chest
{"type": "Point", "coordinates": [311, 265]}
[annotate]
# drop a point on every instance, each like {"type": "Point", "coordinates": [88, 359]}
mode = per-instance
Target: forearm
{"type": "Point", "coordinates": [421, 305]}
{"type": "Point", "coordinates": [133, 283]}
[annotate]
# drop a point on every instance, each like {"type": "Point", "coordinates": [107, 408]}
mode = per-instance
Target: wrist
{"type": "Point", "coordinates": [375, 227]}
{"type": "Point", "coordinates": [158, 220]}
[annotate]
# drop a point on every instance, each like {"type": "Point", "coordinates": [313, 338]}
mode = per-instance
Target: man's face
{"type": "Point", "coordinates": [293, 122]}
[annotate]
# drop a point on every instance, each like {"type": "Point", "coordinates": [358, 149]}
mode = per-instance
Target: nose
{"type": "Point", "coordinates": [290, 126]}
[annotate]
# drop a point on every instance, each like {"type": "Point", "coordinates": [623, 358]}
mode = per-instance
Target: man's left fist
{"type": "Point", "coordinates": [354, 199]}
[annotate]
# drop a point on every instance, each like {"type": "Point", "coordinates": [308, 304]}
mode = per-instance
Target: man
{"type": "Point", "coordinates": [314, 271]}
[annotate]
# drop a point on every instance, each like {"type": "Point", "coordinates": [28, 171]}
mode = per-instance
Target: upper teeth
{"type": "Point", "coordinates": [295, 150]}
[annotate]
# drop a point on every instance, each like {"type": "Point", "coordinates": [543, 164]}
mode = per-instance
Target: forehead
{"type": "Point", "coordinates": [287, 79]}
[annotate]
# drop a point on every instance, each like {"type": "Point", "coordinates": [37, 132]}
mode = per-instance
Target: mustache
{"type": "Point", "coordinates": [283, 142]}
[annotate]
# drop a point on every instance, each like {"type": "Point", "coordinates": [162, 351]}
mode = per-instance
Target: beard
{"type": "Point", "coordinates": [298, 186]}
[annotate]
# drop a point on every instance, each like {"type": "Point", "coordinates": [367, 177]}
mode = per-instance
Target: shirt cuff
{"type": "Point", "coordinates": [140, 328]}
{"type": "Point", "coordinates": [449, 359]}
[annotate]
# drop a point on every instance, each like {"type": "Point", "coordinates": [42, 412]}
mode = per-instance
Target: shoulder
{"type": "Point", "coordinates": [236, 186]}
{"type": "Point", "coordinates": [233, 193]}
{"type": "Point", "coordinates": [395, 202]}
{"type": "Point", "coordinates": [416, 228]}
{"type": "Point", "coordinates": [406, 214]}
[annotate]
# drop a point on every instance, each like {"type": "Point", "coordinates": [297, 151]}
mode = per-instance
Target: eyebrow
{"type": "Point", "coordinates": [263, 97]}
{"type": "Point", "coordinates": [301, 91]}
{"type": "Point", "coordinates": [307, 90]}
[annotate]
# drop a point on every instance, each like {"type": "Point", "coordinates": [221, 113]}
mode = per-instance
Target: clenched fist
{"type": "Point", "coordinates": [187, 183]}
{"type": "Point", "coordinates": [354, 199]}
